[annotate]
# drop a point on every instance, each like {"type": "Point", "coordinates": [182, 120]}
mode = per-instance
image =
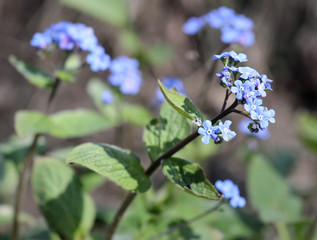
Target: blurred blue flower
{"type": "Point", "coordinates": [126, 75]}
{"type": "Point", "coordinates": [243, 127]}
{"type": "Point", "coordinates": [235, 28]}
{"type": "Point", "coordinates": [107, 96]}
{"type": "Point", "coordinates": [230, 191]}
{"type": "Point", "coordinates": [169, 83]}
{"type": "Point", "coordinates": [73, 36]}
{"type": "Point", "coordinates": [193, 25]}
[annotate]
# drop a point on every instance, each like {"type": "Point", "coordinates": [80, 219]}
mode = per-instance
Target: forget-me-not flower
{"type": "Point", "coordinates": [230, 191]}
{"type": "Point", "coordinates": [208, 131]}
{"type": "Point", "coordinates": [224, 128]}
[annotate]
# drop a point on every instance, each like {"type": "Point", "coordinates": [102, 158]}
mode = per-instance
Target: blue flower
{"type": "Point", "coordinates": [169, 83]}
{"type": "Point", "coordinates": [107, 96]}
{"type": "Point", "coordinates": [126, 75]}
{"type": "Point", "coordinates": [241, 57]}
{"type": "Point", "coordinates": [252, 104]}
{"type": "Point", "coordinates": [243, 127]}
{"type": "Point", "coordinates": [208, 131]}
{"type": "Point", "coordinates": [238, 89]}
{"type": "Point", "coordinates": [230, 191]}
{"type": "Point", "coordinates": [224, 128]}
{"type": "Point", "coordinates": [220, 17]}
{"type": "Point", "coordinates": [248, 73]}
{"type": "Point", "coordinates": [225, 76]}
{"type": "Point", "coordinates": [263, 116]}
{"type": "Point", "coordinates": [193, 25]}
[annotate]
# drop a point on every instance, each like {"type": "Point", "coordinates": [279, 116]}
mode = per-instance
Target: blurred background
{"type": "Point", "coordinates": [151, 31]}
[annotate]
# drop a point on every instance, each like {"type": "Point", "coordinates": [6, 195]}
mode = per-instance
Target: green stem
{"type": "Point", "coordinates": [282, 231]}
{"type": "Point", "coordinates": [21, 183]}
{"type": "Point", "coordinates": [188, 222]}
{"type": "Point", "coordinates": [130, 196]}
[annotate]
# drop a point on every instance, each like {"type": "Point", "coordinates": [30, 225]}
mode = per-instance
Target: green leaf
{"type": "Point", "coordinates": [270, 193]}
{"type": "Point", "coordinates": [307, 128]}
{"type": "Point", "coordinates": [34, 75]}
{"type": "Point", "coordinates": [162, 134]}
{"type": "Point", "coordinates": [91, 181]}
{"type": "Point", "coordinates": [65, 124]}
{"type": "Point", "coordinates": [32, 122]}
{"type": "Point", "coordinates": [180, 103]}
{"type": "Point", "coordinates": [121, 166]}
{"type": "Point", "coordinates": [190, 178]}
{"type": "Point", "coordinates": [65, 76]}
{"type": "Point", "coordinates": [136, 115]}
{"type": "Point", "coordinates": [112, 11]}
{"type": "Point", "coordinates": [68, 211]}
{"type": "Point", "coordinates": [73, 62]}
{"type": "Point", "coordinates": [95, 89]}
{"type": "Point", "coordinates": [77, 123]}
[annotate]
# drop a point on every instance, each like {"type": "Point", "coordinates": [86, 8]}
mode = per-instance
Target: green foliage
{"type": "Point", "coordinates": [135, 114]}
{"type": "Point", "coordinates": [307, 129]}
{"type": "Point", "coordinates": [163, 133]}
{"type": "Point", "coordinates": [114, 12]}
{"type": "Point", "coordinates": [121, 166]}
{"type": "Point", "coordinates": [34, 75]}
{"type": "Point", "coordinates": [190, 178]}
{"type": "Point", "coordinates": [270, 193]}
{"type": "Point", "coordinates": [8, 179]}
{"type": "Point", "coordinates": [181, 103]}
{"type": "Point", "coordinates": [67, 209]}
{"type": "Point", "coordinates": [65, 124]}
{"type": "Point", "coordinates": [118, 111]}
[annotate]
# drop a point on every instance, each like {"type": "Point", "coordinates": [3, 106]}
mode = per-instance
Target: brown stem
{"type": "Point", "coordinates": [129, 198]}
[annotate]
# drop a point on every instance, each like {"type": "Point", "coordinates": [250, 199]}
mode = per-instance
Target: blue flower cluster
{"type": "Point", "coordinates": [169, 83]}
{"type": "Point", "coordinates": [247, 124]}
{"type": "Point", "coordinates": [219, 132]}
{"type": "Point", "coordinates": [73, 36]}
{"type": "Point", "coordinates": [249, 87]}
{"type": "Point", "coordinates": [235, 28]}
{"type": "Point", "coordinates": [230, 191]}
{"type": "Point", "coordinates": [126, 75]}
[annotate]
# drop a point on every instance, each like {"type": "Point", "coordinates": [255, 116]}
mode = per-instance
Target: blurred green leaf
{"type": "Point", "coordinates": [77, 123]}
{"type": "Point", "coordinates": [158, 54]}
{"type": "Point", "coordinates": [68, 211]}
{"type": "Point", "coordinates": [136, 114]}
{"type": "Point", "coordinates": [6, 216]}
{"type": "Point", "coordinates": [15, 148]}
{"type": "Point", "coordinates": [9, 178]}
{"type": "Point", "coordinates": [307, 128]}
{"type": "Point", "coordinates": [34, 75]}
{"type": "Point", "coordinates": [130, 41]}
{"type": "Point", "coordinates": [65, 76]}
{"type": "Point", "coordinates": [190, 178]}
{"type": "Point", "coordinates": [32, 122]}
{"type": "Point", "coordinates": [163, 133]}
{"type": "Point", "coordinates": [270, 193]}
{"type": "Point", "coordinates": [90, 181]}
{"type": "Point", "coordinates": [180, 103]}
{"type": "Point", "coordinates": [64, 124]}
{"type": "Point", "coordinates": [114, 12]}
{"type": "Point", "coordinates": [121, 166]}
{"type": "Point", "coordinates": [283, 161]}
{"type": "Point", "coordinates": [73, 62]}
{"type": "Point", "coordinates": [95, 88]}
